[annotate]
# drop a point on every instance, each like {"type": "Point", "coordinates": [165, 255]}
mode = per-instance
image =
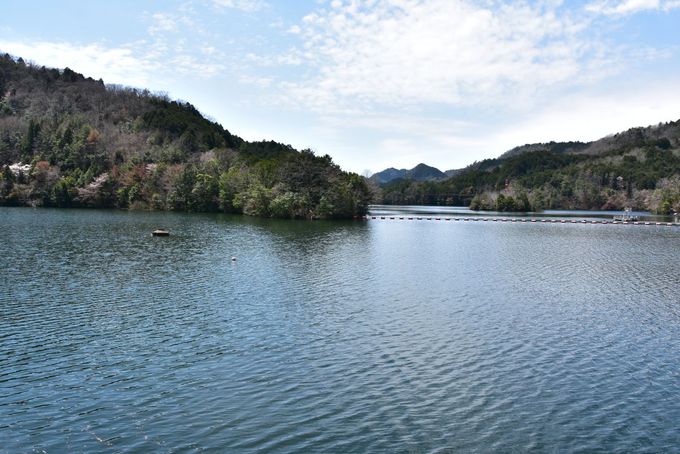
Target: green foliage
{"type": "Point", "coordinates": [204, 195]}
{"type": "Point", "coordinates": [64, 192]}
{"type": "Point", "coordinates": [29, 139]}
{"type": "Point", "coordinates": [112, 146]}
{"type": "Point", "coordinates": [288, 205]}
{"type": "Point", "coordinates": [546, 179]}
{"type": "Point", "coordinates": [184, 121]}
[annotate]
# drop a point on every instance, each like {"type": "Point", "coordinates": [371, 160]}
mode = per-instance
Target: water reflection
{"type": "Point", "coordinates": [334, 336]}
{"type": "Point", "coordinates": [400, 210]}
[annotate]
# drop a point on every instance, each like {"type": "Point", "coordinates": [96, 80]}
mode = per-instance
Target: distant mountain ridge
{"type": "Point", "coordinates": [387, 175]}
{"type": "Point", "coordinates": [638, 168]}
{"type": "Point", "coordinates": [421, 172]}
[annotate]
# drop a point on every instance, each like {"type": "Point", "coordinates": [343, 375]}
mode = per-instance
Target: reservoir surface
{"type": "Point", "coordinates": [346, 336]}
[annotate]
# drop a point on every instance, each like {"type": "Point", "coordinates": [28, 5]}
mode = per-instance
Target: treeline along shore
{"type": "Point", "coordinates": [638, 168]}
{"type": "Point", "coordinates": [71, 141]}
{"type": "Point", "coordinates": [67, 140]}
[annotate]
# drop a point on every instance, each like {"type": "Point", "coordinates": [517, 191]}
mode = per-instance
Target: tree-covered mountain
{"type": "Point", "coordinates": [421, 172]}
{"type": "Point", "coordinates": [638, 168]}
{"type": "Point", "coordinates": [67, 141]}
{"type": "Point", "coordinates": [387, 175]}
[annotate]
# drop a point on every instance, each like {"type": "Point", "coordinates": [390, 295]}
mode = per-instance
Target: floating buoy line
{"type": "Point", "coordinates": [529, 220]}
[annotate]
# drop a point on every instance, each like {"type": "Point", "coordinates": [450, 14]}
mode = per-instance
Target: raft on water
{"type": "Point", "coordinates": [160, 232]}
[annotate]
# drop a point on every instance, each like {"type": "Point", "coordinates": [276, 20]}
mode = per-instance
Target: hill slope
{"type": "Point", "coordinates": [638, 168]}
{"type": "Point", "coordinates": [421, 172]}
{"type": "Point", "coordinates": [67, 140]}
{"type": "Point", "coordinates": [387, 175]}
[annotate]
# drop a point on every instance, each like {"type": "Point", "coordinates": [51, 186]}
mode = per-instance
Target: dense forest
{"type": "Point", "coordinates": [639, 168]}
{"type": "Point", "coordinates": [71, 141]}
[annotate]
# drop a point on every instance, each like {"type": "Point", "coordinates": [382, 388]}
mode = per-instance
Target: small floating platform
{"type": "Point", "coordinates": [160, 232]}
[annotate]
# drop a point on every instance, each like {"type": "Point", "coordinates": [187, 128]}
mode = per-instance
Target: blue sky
{"type": "Point", "coordinates": [378, 83]}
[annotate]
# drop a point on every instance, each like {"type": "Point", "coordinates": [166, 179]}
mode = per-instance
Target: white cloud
{"type": "Point", "coordinates": [621, 7]}
{"type": "Point", "coordinates": [190, 65]}
{"type": "Point", "coordinates": [586, 117]}
{"type": "Point", "coordinates": [670, 5]}
{"type": "Point", "coordinates": [591, 116]}
{"type": "Point", "coordinates": [462, 80]}
{"type": "Point", "coordinates": [243, 5]}
{"type": "Point", "coordinates": [452, 52]}
{"type": "Point", "coordinates": [162, 23]}
{"type": "Point", "coordinates": [137, 64]}
{"type": "Point", "coordinates": [290, 57]}
{"type": "Point", "coordinates": [120, 65]}
{"type": "Point", "coordinates": [627, 7]}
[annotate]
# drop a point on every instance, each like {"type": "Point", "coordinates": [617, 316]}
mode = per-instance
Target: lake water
{"type": "Point", "coordinates": [363, 336]}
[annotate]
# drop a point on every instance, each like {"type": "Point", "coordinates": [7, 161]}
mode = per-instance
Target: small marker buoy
{"type": "Point", "coordinates": [233, 259]}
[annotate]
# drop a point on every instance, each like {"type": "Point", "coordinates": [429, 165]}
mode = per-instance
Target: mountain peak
{"type": "Point", "coordinates": [421, 172]}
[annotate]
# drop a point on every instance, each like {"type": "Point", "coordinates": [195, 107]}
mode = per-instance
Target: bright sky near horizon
{"type": "Point", "coordinates": [377, 83]}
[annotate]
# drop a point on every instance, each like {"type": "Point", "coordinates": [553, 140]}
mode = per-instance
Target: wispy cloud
{"type": "Point", "coordinates": [596, 114]}
{"type": "Point", "coordinates": [627, 7]}
{"type": "Point", "coordinates": [120, 65]}
{"type": "Point", "coordinates": [162, 22]}
{"type": "Point", "coordinates": [243, 5]}
{"type": "Point", "coordinates": [138, 64]}
{"type": "Point", "coordinates": [452, 52]}
{"type": "Point", "coordinates": [671, 4]}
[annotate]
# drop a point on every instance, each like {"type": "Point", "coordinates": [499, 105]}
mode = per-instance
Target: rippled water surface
{"type": "Point", "coordinates": [378, 336]}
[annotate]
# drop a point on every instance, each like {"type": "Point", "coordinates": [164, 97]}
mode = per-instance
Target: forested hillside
{"type": "Point", "coordinates": [71, 141]}
{"type": "Point", "coordinates": [421, 172]}
{"type": "Point", "coordinates": [639, 168]}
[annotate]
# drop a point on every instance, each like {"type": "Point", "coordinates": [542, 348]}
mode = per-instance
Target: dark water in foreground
{"type": "Point", "coordinates": [335, 337]}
